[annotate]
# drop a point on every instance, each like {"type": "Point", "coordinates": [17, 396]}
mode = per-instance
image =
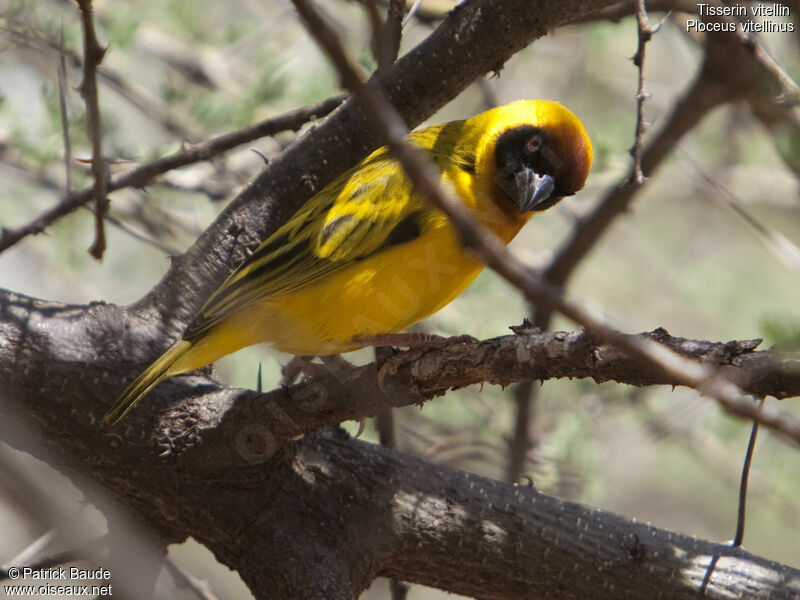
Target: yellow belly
{"type": "Point", "coordinates": [385, 293]}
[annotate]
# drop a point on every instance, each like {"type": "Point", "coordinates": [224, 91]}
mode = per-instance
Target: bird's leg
{"type": "Point", "coordinates": [417, 344]}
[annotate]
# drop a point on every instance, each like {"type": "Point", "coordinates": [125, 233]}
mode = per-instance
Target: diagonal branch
{"type": "Point", "coordinates": [493, 253]}
{"type": "Point", "coordinates": [144, 174]}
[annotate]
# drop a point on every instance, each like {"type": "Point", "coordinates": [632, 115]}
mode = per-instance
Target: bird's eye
{"type": "Point", "coordinates": [534, 143]}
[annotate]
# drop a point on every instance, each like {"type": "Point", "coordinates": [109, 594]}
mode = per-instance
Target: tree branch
{"type": "Point", "coordinates": [142, 175]}
{"type": "Point", "coordinates": [322, 517]}
{"type": "Point", "coordinates": [92, 57]}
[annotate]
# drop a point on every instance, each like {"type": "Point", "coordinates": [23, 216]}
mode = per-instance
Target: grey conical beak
{"type": "Point", "coordinates": [533, 190]}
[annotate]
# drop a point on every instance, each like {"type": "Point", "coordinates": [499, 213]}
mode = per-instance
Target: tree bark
{"type": "Point", "coordinates": [322, 517]}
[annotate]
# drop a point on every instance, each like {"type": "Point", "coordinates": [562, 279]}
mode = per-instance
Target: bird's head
{"type": "Point", "coordinates": [537, 152]}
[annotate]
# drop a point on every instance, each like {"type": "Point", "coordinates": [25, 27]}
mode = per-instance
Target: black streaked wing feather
{"type": "Point", "coordinates": [361, 213]}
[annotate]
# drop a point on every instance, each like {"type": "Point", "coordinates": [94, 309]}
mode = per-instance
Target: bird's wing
{"type": "Point", "coordinates": [368, 209]}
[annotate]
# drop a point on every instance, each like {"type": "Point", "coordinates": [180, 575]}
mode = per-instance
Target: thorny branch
{"type": "Point", "coordinates": [530, 354]}
{"type": "Point", "coordinates": [645, 34]}
{"type": "Point", "coordinates": [303, 447]}
{"type": "Point", "coordinates": [494, 253]}
{"type": "Point", "coordinates": [92, 56]}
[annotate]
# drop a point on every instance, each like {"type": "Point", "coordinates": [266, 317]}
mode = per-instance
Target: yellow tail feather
{"type": "Point", "coordinates": [145, 382]}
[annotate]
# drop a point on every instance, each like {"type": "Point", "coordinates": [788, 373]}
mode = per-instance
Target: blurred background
{"type": "Point", "coordinates": [682, 258]}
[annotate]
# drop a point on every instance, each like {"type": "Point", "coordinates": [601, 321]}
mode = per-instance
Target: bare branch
{"type": "Point", "coordinates": [92, 56]}
{"type": "Point", "coordinates": [145, 174]}
{"type": "Point", "coordinates": [385, 34]}
{"type": "Point", "coordinates": [521, 440]}
{"type": "Point", "coordinates": [62, 106]}
{"type": "Point", "coordinates": [392, 31]}
{"type": "Point", "coordinates": [645, 33]}
{"type": "Point", "coordinates": [414, 10]}
{"type": "Point", "coordinates": [48, 183]}
{"type": "Point", "coordinates": [781, 248]}
{"type": "Point", "coordinates": [518, 527]}
{"type": "Point", "coordinates": [352, 393]}
{"type": "Point", "coordinates": [376, 28]}
{"type": "Point", "coordinates": [199, 588]}
{"type": "Point", "coordinates": [748, 459]}
{"type": "Point", "coordinates": [789, 95]}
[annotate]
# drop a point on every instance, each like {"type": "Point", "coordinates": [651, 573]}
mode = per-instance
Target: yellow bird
{"type": "Point", "coordinates": [369, 256]}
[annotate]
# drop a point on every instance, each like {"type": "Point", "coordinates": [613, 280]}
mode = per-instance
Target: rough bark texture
{"type": "Point", "coordinates": [322, 517]}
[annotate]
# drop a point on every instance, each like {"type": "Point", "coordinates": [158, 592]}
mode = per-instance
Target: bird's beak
{"type": "Point", "coordinates": [534, 190]}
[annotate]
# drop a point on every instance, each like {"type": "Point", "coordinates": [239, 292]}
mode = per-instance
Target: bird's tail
{"type": "Point", "coordinates": [146, 381]}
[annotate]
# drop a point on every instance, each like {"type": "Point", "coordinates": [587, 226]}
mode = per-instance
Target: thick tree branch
{"type": "Point", "coordinates": [242, 423]}
{"type": "Point", "coordinates": [323, 517]}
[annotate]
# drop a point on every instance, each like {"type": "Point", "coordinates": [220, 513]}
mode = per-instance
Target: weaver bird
{"type": "Point", "coordinates": [369, 256]}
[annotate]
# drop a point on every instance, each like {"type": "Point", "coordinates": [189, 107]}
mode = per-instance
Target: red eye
{"type": "Point", "coordinates": [534, 143]}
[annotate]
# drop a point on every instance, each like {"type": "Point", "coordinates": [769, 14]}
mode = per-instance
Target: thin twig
{"type": "Point", "coordinates": [125, 228]}
{"type": "Point", "coordinates": [412, 11]}
{"type": "Point", "coordinates": [376, 28]}
{"type": "Point", "coordinates": [487, 248]}
{"type": "Point", "coordinates": [387, 436]}
{"type": "Point", "coordinates": [392, 33]}
{"type": "Point", "coordinates": [144, 174]}
{"type": "Point", "coordinates": [789, 94]}
{"type": "Point", "coordinates": [384, 418]}
{"type": "Point", "coordinates": [200, 588]}
{"type": "Point", "coordinates": [398, 589]}
{"type": "Point", "coordinates": [748, 459]}
{"type": "Point", "coordinates": [62, 105]}
{"type": "Point", "coordinates": [490, 99]}
{"type": "Point", "coordinates": [92, 56]}
{"type": "Point", "coordinates": [522, 441]}
{"type": "Point", "coordinates": [780, 247]}
{"type": "Point", "coordinates": [645, 34]}
{"type": "Point", "coordinates": [526, 394]}
{"type": "Point", "coordinates": [34, 549]}
{"type": "Point", "coordinates": [85, 552]}
{"type": "Point", "coordinates": [149, 106]}
{"type": "Point", "coordinates": [51, 184]}
{"type": "Point", "coordinates": [385, 38]}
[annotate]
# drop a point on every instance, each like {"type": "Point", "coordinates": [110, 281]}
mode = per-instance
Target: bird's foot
{"type": "Point", "coordinates": [413, 340]}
